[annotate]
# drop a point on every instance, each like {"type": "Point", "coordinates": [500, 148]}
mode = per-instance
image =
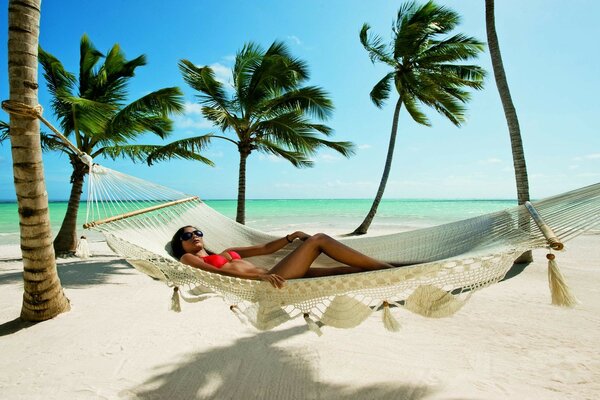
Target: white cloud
{"type": "Point", "coordinates": [222, 73]}
{"type": "Point", "coordinates": [593, 156]}
{"type": "Point", "coordinates": [295, 39]}
{"type": "Point", "coordinates": [270, 158]}
{"type": "Point", "coordinates": [328, 158]}
{"type": "Point", "coordinates": [192, 108]}
{"type": "Point", "coordinates": [364, 146]}
{"type": "Point", "coordinates": [491, 160]}
{"type": "Point", "coordinates": [588, 175]}
{"type": "Point", "coordinates": [572, 167]}
{"type": "Point", "coordinates": [184, 122]}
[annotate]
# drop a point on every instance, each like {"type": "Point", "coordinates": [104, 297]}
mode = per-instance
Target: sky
{"type": "Point", "coordinates": [550, 55]}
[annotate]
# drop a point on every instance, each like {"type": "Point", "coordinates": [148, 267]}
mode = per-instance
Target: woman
{"type": "Point", "coordinates": [188, 247]}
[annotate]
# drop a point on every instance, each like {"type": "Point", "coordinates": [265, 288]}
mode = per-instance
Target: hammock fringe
{"type": "Point", "coordinates": [175, 303]}
{"type": "Point", "coordinates": [559, 290]}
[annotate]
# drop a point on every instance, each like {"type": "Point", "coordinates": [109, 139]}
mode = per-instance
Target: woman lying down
{"type": "Point", "coordinates": [188, 247]}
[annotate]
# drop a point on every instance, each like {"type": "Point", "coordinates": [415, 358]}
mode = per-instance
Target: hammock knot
{"type": "Point", "coordinates": [24, 110]}
{"type": "Point", "coordinates": [86, 159]}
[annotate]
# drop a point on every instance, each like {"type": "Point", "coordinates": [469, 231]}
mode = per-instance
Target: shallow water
{"type": "Point", "coordinates": [337, 215]}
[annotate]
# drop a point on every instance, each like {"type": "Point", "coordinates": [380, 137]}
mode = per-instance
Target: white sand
{"type": "Point", "coordinates": [121, 341]}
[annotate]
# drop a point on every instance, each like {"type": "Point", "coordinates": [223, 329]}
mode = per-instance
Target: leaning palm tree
{"type": "Point", "coordinates": [267, 110]}
{"type": "Point", "coordinates": [424, 71]}
{"type": "Point", "coordinates": [93, 113]}
{"type": "Point", "coordinates": [43, 296]}
{"type": "Point", "coordinates": [510, 113]}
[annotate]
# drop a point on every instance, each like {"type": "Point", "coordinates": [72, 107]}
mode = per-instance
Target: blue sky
{"type": "Point", "coordinates": [550, 55]}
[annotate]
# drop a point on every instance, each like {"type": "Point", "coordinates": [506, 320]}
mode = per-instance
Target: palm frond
{"type": "Point", "coordinates": [51, 142]}
{"type": "Point", "coordinates": [381, 91]}
{"type": "Point", "coordinates": [375, 47]}
{"type": "Point", "coordinates": [4, 131]}
{"type": "Point", "coordinates": [203, 80]}
{"type": "Point", "coordinates": [88, 57]}
{"type": "Point", "coordinates": [311, 100]}
{"type": "Point", "coordinates": [297, 159]}
{"type": "Point", "coordinates": [188, 149]}
{"type": "Point", "coordinates": [91, 116]}
{"type": "Point", "coordinates": [413, 109]}
{"type": "Point", "coordinates": [161, 102]}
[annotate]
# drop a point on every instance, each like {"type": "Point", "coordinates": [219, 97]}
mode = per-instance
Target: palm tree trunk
{"type": "Point", "coordinates": [511, 116]}
{"type": "Point", "coordinates": [43, 296]}
{"type": "Point", "coordinates": [241, 200]}
{"type": "Point", "coordinates": [65, 242]}
{"type": "Point", "coordinates": [362, 229]}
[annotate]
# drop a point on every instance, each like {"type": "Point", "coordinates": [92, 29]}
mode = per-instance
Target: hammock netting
{"type": "Point", "coordinates": [448, 263]}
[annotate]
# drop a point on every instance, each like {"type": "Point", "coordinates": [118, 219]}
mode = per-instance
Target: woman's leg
{"type": "Point", "coordinates": [298, 262]}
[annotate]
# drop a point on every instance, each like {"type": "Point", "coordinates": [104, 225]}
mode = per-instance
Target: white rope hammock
{"type": "Point", "coordinates": [450, 262]}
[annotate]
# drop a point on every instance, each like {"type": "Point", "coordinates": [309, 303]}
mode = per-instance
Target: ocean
{"type": "Point", "coordinates": [331, 216]}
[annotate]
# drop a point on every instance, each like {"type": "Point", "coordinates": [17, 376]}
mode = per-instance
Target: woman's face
{"type": "Point", "coordinates": [195, 243]}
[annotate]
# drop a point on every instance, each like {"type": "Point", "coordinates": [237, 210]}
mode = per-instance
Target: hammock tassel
{"type": "Point", "coordinates": [175, 303]}
{"type": "Point", "coordinates": [236, 311]}
{"type": "Point", "coordinates": [83, 249]}
{"type": "Point", "coordinates": [390, 323]}
{"type": "Point", "coordinates": [312, 325]}
{"type": "Point", "coordinates": [561, 294]}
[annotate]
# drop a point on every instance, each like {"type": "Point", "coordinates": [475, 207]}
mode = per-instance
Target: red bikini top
{"type": "Point", "coordinates": [217, 260]}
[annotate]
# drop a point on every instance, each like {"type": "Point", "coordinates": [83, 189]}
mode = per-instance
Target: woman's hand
{"type": "Point", "coordinates": [274, 279]}
{"type": "Point", "coordinates": [298, 235]}
{"type": "Point", "coordinates": [226, 255]}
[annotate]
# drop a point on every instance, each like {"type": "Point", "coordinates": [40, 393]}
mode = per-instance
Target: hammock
{"type": "Point", "coordinates": [450, 262]}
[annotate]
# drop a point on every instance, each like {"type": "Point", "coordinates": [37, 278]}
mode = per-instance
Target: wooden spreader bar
{"type": "Point", "coordinates": [137, 212]}
{"type": "Point", "coordinates": [548, 233]}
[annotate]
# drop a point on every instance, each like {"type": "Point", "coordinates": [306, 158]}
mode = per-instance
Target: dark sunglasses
{"type": "Point", "coordinates": [185, 236]}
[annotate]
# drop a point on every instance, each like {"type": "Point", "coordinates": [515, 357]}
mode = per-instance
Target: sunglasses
{"type": "Point", "coordinates": [188, 235]}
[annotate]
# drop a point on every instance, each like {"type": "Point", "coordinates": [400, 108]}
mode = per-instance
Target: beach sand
{"type": "Point", "coordinates": [120, 340]}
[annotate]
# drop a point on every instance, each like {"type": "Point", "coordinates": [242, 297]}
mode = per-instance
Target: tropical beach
{"type": "Point", "coordinates": [299, 200]}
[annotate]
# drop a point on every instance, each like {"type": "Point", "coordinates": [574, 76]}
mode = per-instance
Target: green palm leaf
{"type": "Point", "coordinates": [4, 131]}
{"type": "Point", "coordinates": [188, 149]}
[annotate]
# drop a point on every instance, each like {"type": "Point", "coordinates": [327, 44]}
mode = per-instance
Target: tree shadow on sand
{"type": "Point", "coordinates": [256, 368]}
{"type": "Point", "coordinates": [80, 273]}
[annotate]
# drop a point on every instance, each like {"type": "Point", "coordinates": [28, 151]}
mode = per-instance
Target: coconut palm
{"type": "Point", "coordinates": [267, 110]}
{"type": "Point", "coordinates": [43, 296]}
{"type": "Point", "coordinates": [510, 113]}
{"type": "Point", "coordinates": [93, 113]}
{"type": "Point", "coordinates": [424, 70]}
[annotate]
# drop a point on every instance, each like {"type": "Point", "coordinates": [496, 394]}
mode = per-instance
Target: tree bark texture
{"type": "Point", "coordinates": [362, 229]}
{"type": "Point", "coordinates": [65, 242]}
{"type": "Point", "coordinates": [241, 200]}
{"type": "Point", "coordinates": [43, 296]}
{"type": "Point", "coordinates": [522, 181]}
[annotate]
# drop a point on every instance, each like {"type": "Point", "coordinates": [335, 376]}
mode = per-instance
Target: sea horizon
{"type": "Point", "coordinates": [334, 216]}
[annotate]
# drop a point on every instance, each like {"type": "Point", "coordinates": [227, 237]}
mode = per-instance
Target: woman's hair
{"type": "Point", "coordinates": [176, 246]}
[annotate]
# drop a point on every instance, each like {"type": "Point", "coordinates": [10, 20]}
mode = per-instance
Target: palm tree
{"type": "Point", "coordinates": [268, 110]}
{"type": "Point", "coordinates": [424, 70]}
{"type": "Point", "coordinates": [43, 296]}
{"type": "Point", "coordinates": [93, 113]}
{"type": "Point", "coordinates": [510, 114]}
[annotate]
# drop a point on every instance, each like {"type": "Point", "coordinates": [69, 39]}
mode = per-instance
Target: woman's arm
{"type": "Point", "coordinates": [269, 248]}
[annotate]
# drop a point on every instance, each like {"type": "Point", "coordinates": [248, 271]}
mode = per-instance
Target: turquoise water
{"type": "Point", "coordinates": [339, 215]}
